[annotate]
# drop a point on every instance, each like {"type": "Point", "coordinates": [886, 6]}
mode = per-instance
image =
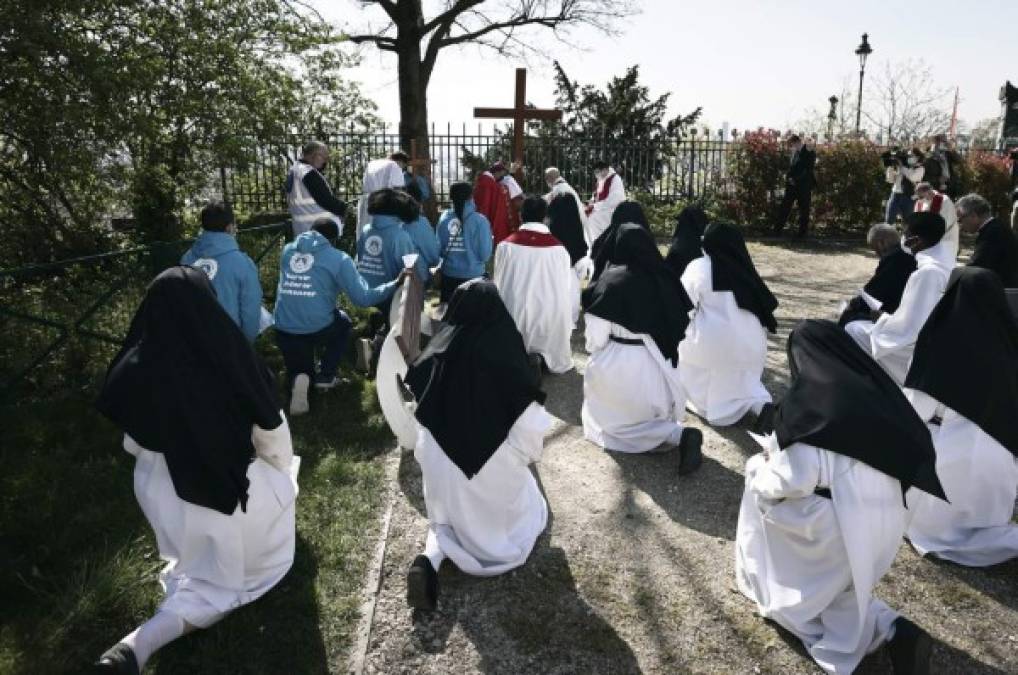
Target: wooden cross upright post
{"type": "Point", "coordinates": [419, 165]}
{"type": "Point", "coordinates": [519, 114]}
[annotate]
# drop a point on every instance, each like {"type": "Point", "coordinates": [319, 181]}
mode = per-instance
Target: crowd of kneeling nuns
{"type": "Point", "coordinates": [899, 424]}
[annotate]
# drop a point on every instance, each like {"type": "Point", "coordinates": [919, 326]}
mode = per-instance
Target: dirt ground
{"type": "Point", "coordinates": [635, 573]}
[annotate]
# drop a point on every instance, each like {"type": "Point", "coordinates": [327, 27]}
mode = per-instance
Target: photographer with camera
{"type": "Point", "coordinates": [904, 170]}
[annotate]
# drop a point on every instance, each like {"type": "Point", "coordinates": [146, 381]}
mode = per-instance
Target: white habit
{"type": "Point", "coordinates": [608, 194]}
{"type": "Point", "coordinates": [380, 174]}
{"type": "Point", "coordinates": [487, 525]}
{"type": "Point", "coordinates": [980, 478]}
{"type": "Point", "coordinates": [722, 357]}
{"type": "Point", "coordinates": [217, 562]}
{"type": "Point", "coordinates": [633, 400]}
{"type": "Point", "coordinates": [538, 287]}
{"type": "Point", "coordinates": [811, 563]}
{"type": "Point", "coordinates": [891, 340]}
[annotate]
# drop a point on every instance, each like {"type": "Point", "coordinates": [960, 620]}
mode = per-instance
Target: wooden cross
{"type": "Point", "coordinates": [408, 321]}
{"type": "Point", "coordinates": [519, 114]}
{"type": "Point", "coordinates": [420, 166]}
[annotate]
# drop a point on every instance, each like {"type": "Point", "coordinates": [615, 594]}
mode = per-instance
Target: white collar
{"type": "Point", "coordinates": [535, 227]}
{"type": "Point", "coordinates": [938, 255]}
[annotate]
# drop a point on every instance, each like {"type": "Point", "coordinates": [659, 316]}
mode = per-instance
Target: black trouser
{"type": "Point", "coordinates": [801, 195]}
{"type": "Point", "coordinates": [299, 349]}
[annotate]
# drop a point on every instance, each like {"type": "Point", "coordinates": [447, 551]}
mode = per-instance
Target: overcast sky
{"type": "Point", "coordinates": [747, 62]}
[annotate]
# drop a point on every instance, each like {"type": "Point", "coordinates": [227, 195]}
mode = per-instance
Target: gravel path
{"type": "Point", "coordinates": [635, 572]}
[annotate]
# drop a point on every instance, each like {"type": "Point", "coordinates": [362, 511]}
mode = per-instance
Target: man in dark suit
{"type": "Point", "coordinates": [799, 184]}
{"type": "Point", "coordinates": [996, 246]}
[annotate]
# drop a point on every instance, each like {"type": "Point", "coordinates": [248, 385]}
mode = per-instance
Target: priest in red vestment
{"type": "Point", "coordinates": [491, 198]}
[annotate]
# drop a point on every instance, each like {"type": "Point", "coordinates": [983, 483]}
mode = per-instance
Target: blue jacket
{"type": "Point", "coordinates": [234, 276]}
{"type": "Point", "coordinates": [465, 250]}
{"type": "Point", "coordinates": [422, 234]}
{"type": "Point", "coordinates": [312, 274]}
{"type": "Point", "coordinates": [381, 248]}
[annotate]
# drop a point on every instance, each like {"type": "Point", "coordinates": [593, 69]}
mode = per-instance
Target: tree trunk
{"type": "Point", "coordinates": [413, 98]}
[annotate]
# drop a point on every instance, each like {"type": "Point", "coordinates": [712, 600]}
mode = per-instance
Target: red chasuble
{"type": "Point", "coordinates": [492, 200]}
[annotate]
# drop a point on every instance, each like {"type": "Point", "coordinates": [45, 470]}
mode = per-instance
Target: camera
{"type": "Point", "coordinates": [894, 157]}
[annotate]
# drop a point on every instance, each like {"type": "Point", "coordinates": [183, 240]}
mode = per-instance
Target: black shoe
{"type": "Point", "coordinates": [422, 585]}
{"type": "Point", "coordinates": [535, 364]}
{"type": "Point", "coordinates": [690, 457]}
{"type": "Point", "coordinates": [118, 660]}
{"type": "Point", "coordinates": [910, 648]}
{"type": "Point", "coordinates": [765, 420]}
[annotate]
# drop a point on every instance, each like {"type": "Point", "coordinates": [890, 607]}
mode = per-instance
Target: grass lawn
{"type": "Point", "coordinates": [78, 561]}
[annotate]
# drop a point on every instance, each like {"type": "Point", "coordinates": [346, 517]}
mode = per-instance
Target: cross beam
{"type": "Point", "coordinates": [519, 114]}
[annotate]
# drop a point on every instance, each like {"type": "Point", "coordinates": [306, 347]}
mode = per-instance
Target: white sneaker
{"type": "Point", "coordinates": [299, 395]}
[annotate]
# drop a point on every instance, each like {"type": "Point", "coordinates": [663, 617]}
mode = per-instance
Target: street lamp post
{"type": "Point", "coordinates": [831, 117]}
{"type": "Point", "coordinates": [862, 51]}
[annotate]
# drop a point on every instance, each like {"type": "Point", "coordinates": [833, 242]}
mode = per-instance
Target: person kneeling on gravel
{"type": "Point", "coordinates": [822, 515]}
{"type": "Point", "coordinates": [636, 315]}
{"type": "Point", "coordinates": [481, 423]}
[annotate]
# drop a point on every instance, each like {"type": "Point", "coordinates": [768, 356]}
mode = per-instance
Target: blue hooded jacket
{"type": "Point", "coordinates": [466, 248]}
{"type": "Point", "coordinates": [234, 276]}
{"type": "Point", "coordinates": [422, 234]}
{"type": "Point", "coordinates": [381, 248]}
{"type": "Point", "coordinates": [312, 274]}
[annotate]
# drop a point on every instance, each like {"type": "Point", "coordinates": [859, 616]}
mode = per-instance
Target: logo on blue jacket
{"type": "Point", "coordinates": [209, 266]}
{"type": "Point", "coordinates": [300, 263]}
{"type": "Point", "coordinates": [373, 246]}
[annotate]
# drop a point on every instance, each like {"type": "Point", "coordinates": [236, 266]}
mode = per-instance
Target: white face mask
{"type": "Point", "coordinates": [913, 160]}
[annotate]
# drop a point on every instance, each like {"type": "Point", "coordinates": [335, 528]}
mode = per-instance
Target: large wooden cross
{"type": "Point", "coordinates": [519, 114]}
{"type": "Point", "coordinates": [420, 165]}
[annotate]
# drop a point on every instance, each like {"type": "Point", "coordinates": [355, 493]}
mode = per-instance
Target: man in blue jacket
{"type": "Point", "coordinates": [464, 239]}
{"type": "Point", "coordinates": [380, 256]}
{"type": "Point", "coordinates": [232, 273]}
{"type": "Point", "coordinates": [312, 274]}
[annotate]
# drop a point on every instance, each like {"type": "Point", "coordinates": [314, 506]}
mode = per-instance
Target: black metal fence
{"type": "Point", "coordinates": [668, 169]}
{"type": "Point", "coordinates": [63, 321]}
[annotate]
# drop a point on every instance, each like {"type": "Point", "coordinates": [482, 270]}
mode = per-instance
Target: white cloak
{"type": "Point", "coordinates": [980, 478]}
{"type": "Point", "coordinates": [722, 358]}
{"type": "Point", "coordinates": [379, 174]}
{"type": "Point", "coordinates": [601, 215]}
{"type": "Point", "coordinates": [217, 562]}
{"type": "Point", "coordinates": [811, 563]}
{"type": "Point", "coordinates": [561, 187]}
{"type": "Point", "coordinates": [487, 525]}
{"type": "Point", "coordinates": [891, 340]}
{"type": "Point", "coordinates": [538, 287]}
{"type": "Point", "coordinates": [633, 399]}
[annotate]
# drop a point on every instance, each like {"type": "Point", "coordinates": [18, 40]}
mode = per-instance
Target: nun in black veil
{"type": "Point", "coordinates": [214, 472]}
{"type": "Point", "coordinates": [636, 315]}
{"type": "Point", "coordinates": [481, 418]}
{"type": "Point", "coordinates": [723, 356]}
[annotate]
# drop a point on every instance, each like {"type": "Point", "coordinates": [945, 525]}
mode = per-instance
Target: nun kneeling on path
{"type": "Point", "coordinates": [723, 356]}
{"type": "Point", "coordinates": [963, 382]}
{"type": "Point", "coordinates": [481, 424]}
{"type": "Point", "coordinates": [215, 472]}
{"type": "Point", "coordinates": [636, 314]}
{"type": "Point", "coordinates": [823, 511]}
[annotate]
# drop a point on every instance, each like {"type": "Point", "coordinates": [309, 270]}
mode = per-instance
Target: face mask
{"type": "Point", "coordinates": [912, 161]}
